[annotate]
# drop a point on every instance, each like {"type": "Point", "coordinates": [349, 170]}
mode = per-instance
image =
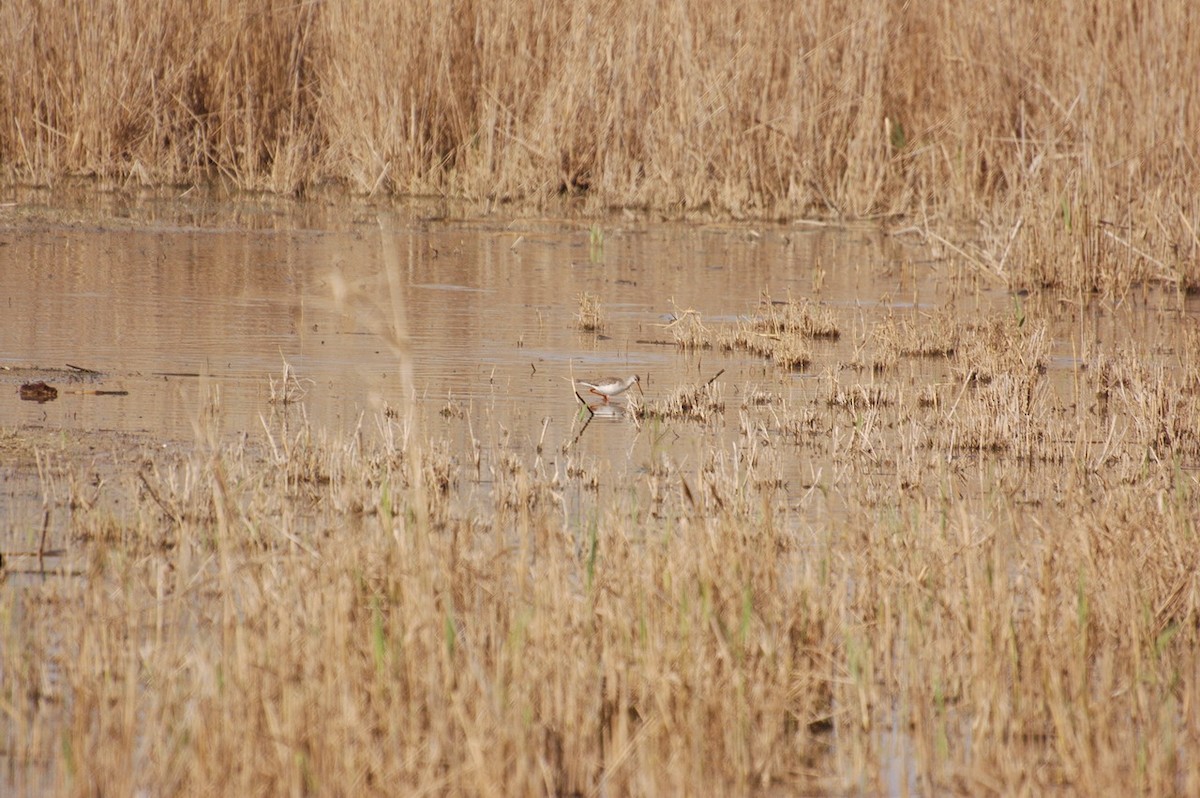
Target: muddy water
{"type": "Point", "coordinates": [172, 309]}
{"type": "Point", "coordinates": [183, 306]}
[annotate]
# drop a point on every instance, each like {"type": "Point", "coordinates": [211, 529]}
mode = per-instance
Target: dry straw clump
{"type": "Point", "coordinates": [792, 317]}
{"type": "Point", "coordinates": [590, 316]}
{"type": "Point", "coordinates": [781, 331]}
{"type": "Point", "coordinates": [687, 402]}
{"type": "Point", "coordinates": [688, 330]}
{"type": "Point", "coordinates": [928, 335]}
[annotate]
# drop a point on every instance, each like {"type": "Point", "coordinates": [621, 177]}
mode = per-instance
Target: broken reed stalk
{"type": "Point", "coordinates": [583, 402]}
{"type": "Point", "coordinates": [575, 389]}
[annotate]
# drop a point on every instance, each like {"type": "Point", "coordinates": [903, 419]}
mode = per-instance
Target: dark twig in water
{"type": "Point", "coordinates": [168, 509]}
{"type": "Point", "coordinates": [42, 542]}
{"type": "Point", "coordinates": [583, 402]}
{"type": "Point", "coordinates": [585, 426]}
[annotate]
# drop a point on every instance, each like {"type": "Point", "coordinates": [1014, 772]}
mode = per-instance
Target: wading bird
{"type": "Point", "coordinates": [607, 387]}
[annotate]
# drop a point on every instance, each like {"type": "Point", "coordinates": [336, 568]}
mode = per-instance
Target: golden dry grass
{"type": "Point", "coordinates": [781, 331]}
{"type": "Point", "coordinates": [590, 315]}
{"type": "Point", "coordinates": [1064, 135]}
{"type": "Point", "coordinates": [987, 585]}
{"type": "Point", "coordinates": [992, 590]}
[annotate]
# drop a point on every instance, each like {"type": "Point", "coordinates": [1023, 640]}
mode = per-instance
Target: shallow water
{"type": "Point", "coordinates": [178, 302]}
{"type": "Point", "coordinates": [161, 307]}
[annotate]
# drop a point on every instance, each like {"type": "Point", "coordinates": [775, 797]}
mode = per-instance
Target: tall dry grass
{"type": "Point", "coordinates": [1068, 130]}
{"type": "Point", "coordinates": [995, 592]}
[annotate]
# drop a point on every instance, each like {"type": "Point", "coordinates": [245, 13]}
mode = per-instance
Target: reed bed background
{"type": "Point", "coordinates": [1065, 134]}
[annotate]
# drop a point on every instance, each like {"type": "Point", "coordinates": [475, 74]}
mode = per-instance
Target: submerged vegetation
{"type": "Point", "coordinates": [1064, 135]}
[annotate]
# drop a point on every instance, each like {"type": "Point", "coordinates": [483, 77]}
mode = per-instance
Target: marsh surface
{"type": "Point", "coordinates": [181, 303]}
{"type": "Point", "coordinates": [272, 361]}
{"type": "Point", "coordinates": [227, 294]}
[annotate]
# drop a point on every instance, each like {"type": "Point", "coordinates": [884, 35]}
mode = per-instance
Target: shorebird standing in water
{"type": "Point", "coordinates": [607, 387]}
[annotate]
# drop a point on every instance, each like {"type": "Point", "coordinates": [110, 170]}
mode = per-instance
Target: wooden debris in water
{"type": "Point", "coordinates": [38, 392]}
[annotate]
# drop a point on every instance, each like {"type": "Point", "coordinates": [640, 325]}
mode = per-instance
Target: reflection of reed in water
{"type": "Point", "coordinates": [396, 334]}
{"type": "Point", "coordinates": [389, 321]}
{"type": "Point", "coordinates": [400, 424]}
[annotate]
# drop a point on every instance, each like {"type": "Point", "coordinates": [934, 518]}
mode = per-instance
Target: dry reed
{"type": "Point", "coordinates": [687, 402]}
{"type": "Point", "coordinates": [1069, 132]}
{"type": "Point", "coordinates": [986, 588]}
{"type": "Point", "coordinates": [688, 330]}
{"type": "Point", "coordinates": [590, 315]}
{"type": "Point", "coordinates": [778, 331]}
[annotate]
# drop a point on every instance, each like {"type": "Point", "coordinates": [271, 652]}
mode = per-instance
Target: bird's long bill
{"type": "Point", "coordinates": [638, 383]}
